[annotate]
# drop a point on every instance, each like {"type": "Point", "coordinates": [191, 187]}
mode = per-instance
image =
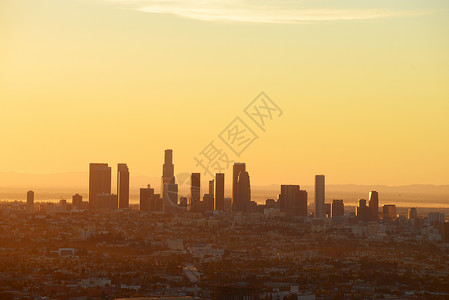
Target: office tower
{"type": "Point", "coordinates": [30, 202]}
{"type": "Point", "coordinates": [99, 182]}
{"type": "Point", "coordinates": [327, 210]}
{"type": "Point", "coordinates": [338, 208]}
{"type": "Point", "coordinates": [147, 202]}
{"type": "Point", "coordinates": [219, 191]}
{"type": "Point", "coordinates": [374, 205]}
{"type": "Point", "coordinates": [195, 188]}
{"type": "Point", "coordinates": [208, 200]}
{"type": "Point", "coordinates": [389, 212]}
{"type": "Point", "coordinates": [77, 201]}
{"type": "Point", "coordinates": [106, 202]}
{"type": "Point", "coordinates": [123, 186]}
{"type": "Point", "coordinates": [169, 189]}
{"type": "Point", "coordinates": [319, 196]}
{"type": "Point", "coordinates": [211, 187]}
{"type": "Point", "coordinates": [293, 201]}
{"type": "Point", "coordinates": [412, 213]}
{"type": "Point", "coordinates": [363, 211]}
{"type": "Point", "coordinates": [243, 192]}
{"type": "Point", "coordinates": [236, 169]}
{"type": "Point", "coordinates": [168, 170]}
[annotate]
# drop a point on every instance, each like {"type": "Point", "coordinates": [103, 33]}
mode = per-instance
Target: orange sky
{"type": "Point", "coordinates": [364, 89]}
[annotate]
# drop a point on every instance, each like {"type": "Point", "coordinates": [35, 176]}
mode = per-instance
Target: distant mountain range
{"type": "Point", "coordinates": [13, 186]}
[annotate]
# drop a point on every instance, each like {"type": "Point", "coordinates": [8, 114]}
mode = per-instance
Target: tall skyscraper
{"type": "Point", "coordinates": [169, 189]}
{"type": "Point", "coordinates": [319, 196]}
{"type": "Point", "coordinates": [195, 188]}
{"type": "Point", "coordinates": [219, 191]}
{"type": "Point", "coordinates": [338, 208]}
{"type": "Point", "coordinates": [374, 205]}
{"type": "Point", "coordinates": [243, 192]}
{"type": "Point", "coordinates": [99, 182]}
{"type": "Point", "coordinates": [211, 187]}
{"type": "Point", "coordinates": [30, 202]}
{"type": "Point", "coordinates": [168, 170]}
{"type": "Point", "coordinates": [293, 201]}
{"type": "Point", "coordinates": [123, 186]}
{"type": "Point", "coordinates": [237, 168]}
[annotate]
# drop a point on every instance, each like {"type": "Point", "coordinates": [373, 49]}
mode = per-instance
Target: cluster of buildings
{"type": "Point", "coordinates": [207, 246]}
{"type": "Point", "coordinates": [83, 254]}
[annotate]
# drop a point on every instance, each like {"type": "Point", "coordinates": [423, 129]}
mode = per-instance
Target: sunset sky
{"type": "Point", "coordinates": [363, 86]}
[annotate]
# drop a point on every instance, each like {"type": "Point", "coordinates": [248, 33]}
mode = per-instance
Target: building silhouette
{"type": "Point", "coordinates": [374, 205]}
{"type": "Point", "coordinates": [363, 211]}
{"type": "Point", "coordinates": [243, 192]}
{"type": "Point", "coordinates": [319, 196]}
{"type": "Point", "coordinates": [236, 169]}
{"type": "Point", "coordinates": [208, 200]}
{"type": "Point", "coordinates": [169, 188]}
{"type": "Point", "coordinates": [389, 212]}
{"type": "Point", "coordinates": [211, 187]}
{"type": "Point", "coordinates": [219, 191]}
{"type": "Point", "coordinates": [146, 198]}
{"type": "Point", "coordinates": [77, 201]}
{"type": "Point", "coordinates": [30, 202]}
{"type": "Point", "coordinates": [170, 197]}
{"type": "Point", "coordinates": [293, 201]}
{"type": "Point", "coordinates": [123, 185]}
{"type": "Point", "coordinates": [99, 182]}
{"type": "Point", "coordinates": [106, 202]}
{"type": "Point", "coordinates": [168, 170]}
{"type": "Point", "coordinates": [338, 208]}
{"type": "Point", "coordinates": [195, 188]}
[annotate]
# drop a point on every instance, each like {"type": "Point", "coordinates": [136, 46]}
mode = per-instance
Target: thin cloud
{"type": "Point", "coordinates": [280, 11]}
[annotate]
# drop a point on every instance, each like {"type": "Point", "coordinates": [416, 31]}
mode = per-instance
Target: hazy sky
{"type": "Point", "coordinates": [363, 85]}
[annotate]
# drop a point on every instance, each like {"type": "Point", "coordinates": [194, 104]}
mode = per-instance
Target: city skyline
{"type": "Point", "coordinates": [237, 149]}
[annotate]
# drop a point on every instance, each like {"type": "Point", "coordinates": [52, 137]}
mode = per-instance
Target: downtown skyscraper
{"type": "Point", "coordinates": [243, 192]}
{"type": "Point", "coordinates": [219, 191]}
{"type": "Point", "coordinates": [195, 188]}
{"type": "Point", "coordinates": [374, 205]}
{"type": "Point", "coordinates": [99, 182]}
{"type": "Point", "coordinates": [169, 189]}
{"type": "Point", "coordinates": [123, 186]}
{"type": "Point", "coordinates": [293, 201]}
{"type": "Point", "coordinates": [319, 196]}
{"type": "Point", "coordinates": [30, 202]}
{"type": "Point", "coordinates": [236, 170]}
